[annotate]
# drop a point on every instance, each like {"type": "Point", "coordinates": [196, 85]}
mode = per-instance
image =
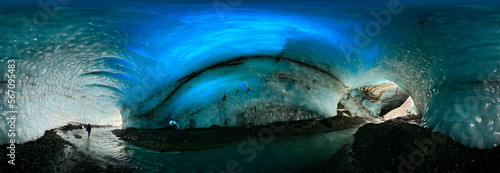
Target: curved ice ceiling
{"type": "Point", "coordinates": [237, 63]}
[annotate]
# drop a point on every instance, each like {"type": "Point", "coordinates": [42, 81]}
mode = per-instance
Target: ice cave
{"type": "Point", "coordinates": [236, 64]}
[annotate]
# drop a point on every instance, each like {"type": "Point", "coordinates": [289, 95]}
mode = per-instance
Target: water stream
{"type": "Point", "coordinates": [282, 154]}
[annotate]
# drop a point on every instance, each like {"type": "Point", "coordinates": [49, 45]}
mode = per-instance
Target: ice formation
{"type": "Point", "coordinates": [369, 101]}
{"type": "Point", "coordinates": [191, 62]}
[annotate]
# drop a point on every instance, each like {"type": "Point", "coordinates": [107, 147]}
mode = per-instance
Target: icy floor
{"type": "Point", "coordinates": [283, 154]}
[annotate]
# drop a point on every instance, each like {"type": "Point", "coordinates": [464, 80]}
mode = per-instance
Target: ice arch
{"type": "Point", "coordinates": [163, 61]}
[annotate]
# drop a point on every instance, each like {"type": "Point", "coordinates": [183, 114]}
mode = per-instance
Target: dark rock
{"type": "Point", "coordinates": [133, 137]}
{"type": "Point", "coordinates": [214, 127]}
{"type": "Point", "coordinates": [343, 122]}
{"type": "Point", "coordinates": [77, 136]}
{"type": "Point", "coordinates": [410, 118]}
{"type": "Point", "coordinates": [396, 146]}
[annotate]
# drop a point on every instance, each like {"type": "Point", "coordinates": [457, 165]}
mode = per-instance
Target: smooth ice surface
{"type": "Point", "coordinates": [153, 61]}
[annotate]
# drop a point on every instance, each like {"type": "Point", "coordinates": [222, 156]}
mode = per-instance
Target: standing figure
{"type": "Point", "coordinates": [89, 128]}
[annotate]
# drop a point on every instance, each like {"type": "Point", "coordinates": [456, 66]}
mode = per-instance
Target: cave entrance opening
{"type": "Point", "coordinates": [114, 118]}
{"type": "Point", "coordinates": [383, 101]}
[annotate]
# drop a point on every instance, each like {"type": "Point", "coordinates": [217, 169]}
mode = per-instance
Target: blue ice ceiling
{"type": "Point", "coordinates": [249, 63]}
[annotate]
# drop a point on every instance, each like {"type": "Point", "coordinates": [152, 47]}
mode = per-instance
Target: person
{"type": "Point", "coordinates": [89, 128]}
{"type": "Point", "coordinates": [173, 125]}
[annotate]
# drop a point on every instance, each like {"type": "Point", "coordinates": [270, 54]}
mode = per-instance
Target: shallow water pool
{"type": "Point", "coordinates": [282, 154]}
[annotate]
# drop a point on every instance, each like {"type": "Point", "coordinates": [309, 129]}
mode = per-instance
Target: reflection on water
{"type": "Point", "coordinates": [87, 144]}
{"type": "Point", "coordinates": [282, 154]}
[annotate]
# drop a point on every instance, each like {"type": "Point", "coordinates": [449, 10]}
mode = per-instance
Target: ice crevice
{"type": "Point", "coordinates": [253, 65]}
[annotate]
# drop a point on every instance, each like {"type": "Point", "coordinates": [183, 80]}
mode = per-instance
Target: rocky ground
{"type": "Point", "coordinates": [165, 140]}
{"type": "Point", "coordinates": [397, 146]}
{"type": "Point", "coordinates": [41, 155]}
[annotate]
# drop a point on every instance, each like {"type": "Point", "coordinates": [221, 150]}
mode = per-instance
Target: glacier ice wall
{"type": "Point", "coordinates": [152, 62]}
{"type": "Point", "coordinates": [255, 91]}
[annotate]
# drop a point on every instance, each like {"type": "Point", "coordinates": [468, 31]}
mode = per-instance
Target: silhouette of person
{"type": "Point", "coordinates": [89, 128]}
